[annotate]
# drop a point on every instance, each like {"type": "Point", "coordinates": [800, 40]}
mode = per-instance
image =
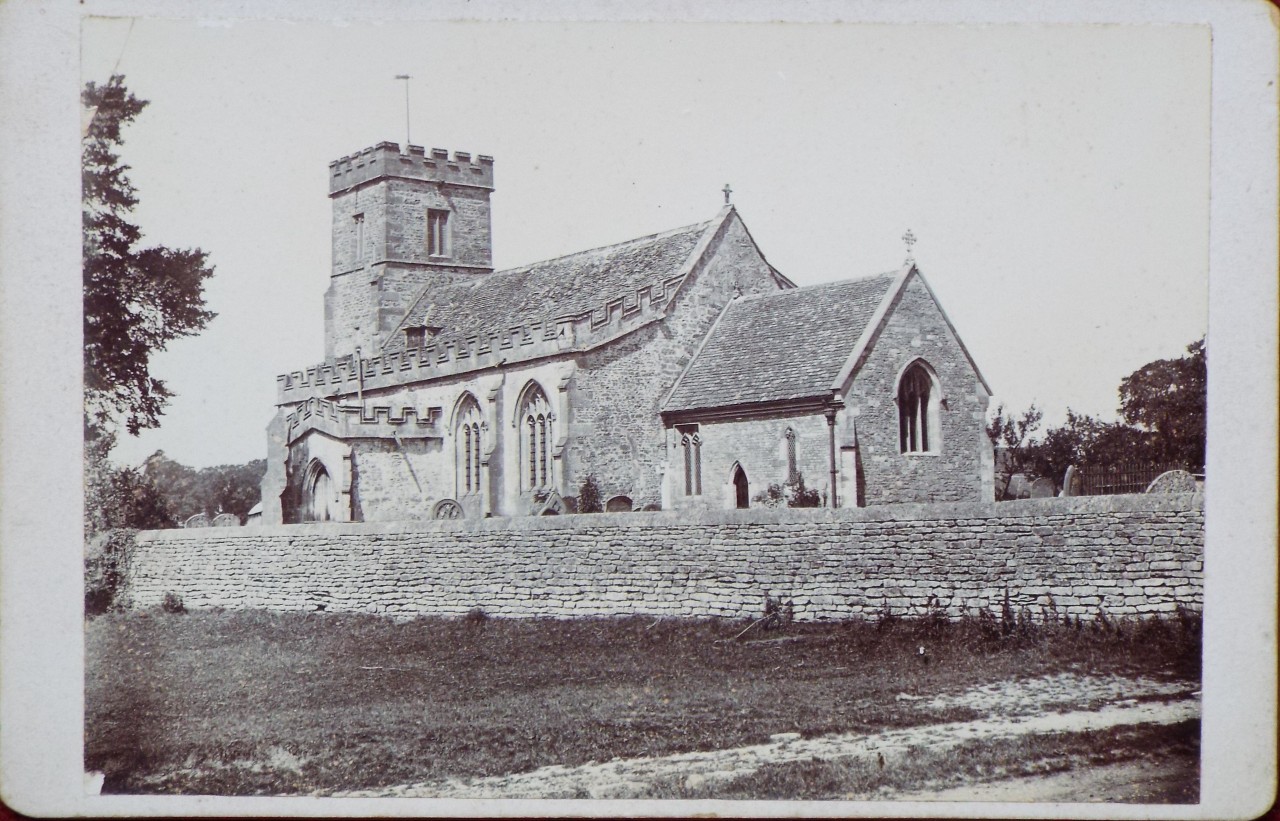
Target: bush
{"type": "Point", "coordinates": [106, 558]}
{"type": "Point", "coordinates": [589, 500]}
{"type": "Point", "coordinates": [173, 603]}
{"type": "Point", "coordinates": [792, 494]}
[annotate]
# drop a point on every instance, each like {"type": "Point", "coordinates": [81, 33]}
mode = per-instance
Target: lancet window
{"type": "Point", "coordinates": [917, 402]}
{"type": "Point", "coordinates": [536, 424]}
{"type": "Point", "coordinates": [469, 440]}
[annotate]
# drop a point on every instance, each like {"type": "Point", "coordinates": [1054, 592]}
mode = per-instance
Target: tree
{"type": "Point", "coordinates": [1167, 398]}
{"type": "Point", "coordinates": [1013, 441]}
{"type": "Point", "coordinates": [136, 300]}
{"type": "Point", "coordinates": [213, 490]}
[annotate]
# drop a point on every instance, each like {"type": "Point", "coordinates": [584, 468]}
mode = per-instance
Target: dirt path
{"type": "Point", "coordinates": [1061, 703]}
{"type": "Point", "coordinates": [1129, 782]}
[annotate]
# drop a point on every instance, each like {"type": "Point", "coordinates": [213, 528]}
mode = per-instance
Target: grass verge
{"type": "Point", "coordinates": [253, 703]}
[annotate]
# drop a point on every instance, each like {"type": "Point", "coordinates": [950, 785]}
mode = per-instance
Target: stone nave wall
{"type": "Point", "coordinates": [1125, 554]}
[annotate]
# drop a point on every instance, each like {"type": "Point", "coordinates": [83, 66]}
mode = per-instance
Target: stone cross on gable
{"type": "Point", "coordinates": [727, 191]}
{"type": "Point", "coordinates": [910, 239]}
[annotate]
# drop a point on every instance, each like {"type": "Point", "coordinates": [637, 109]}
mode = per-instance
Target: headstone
{"type": "Point", "coordinates": [554, 505]}
{"type": "Point", "coordinates": [618, 504]}
{"type": "Point", "coordinates": [1043, 488]}
{"type": "Point", "coordinates": [1019, 487]}
{"type": "Point", "coordinates": [198, 520]}
{"type": "Point", "coordinates": [1070, 482]}
{"type": "Point", "coordinates": [1173, 481]}
{"type": "Point", "coordinates": [226, 520]}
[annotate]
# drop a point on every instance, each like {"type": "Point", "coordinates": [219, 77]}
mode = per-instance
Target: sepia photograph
{"type": "Point", "coordinates": [573, 411]}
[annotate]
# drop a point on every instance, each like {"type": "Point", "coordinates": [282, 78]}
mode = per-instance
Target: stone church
{"type": "Point", "coordinates": [680, 370]}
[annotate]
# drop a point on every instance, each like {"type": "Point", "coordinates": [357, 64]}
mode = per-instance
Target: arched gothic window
{"type": "Point", "coordinates": [691, 443]}
{"type": "Point", "coordinates": [917, 415]}
{"type": "Point", "coordinates": [536, 422]}
{"type": "Point", "coordinates": [468, 441]}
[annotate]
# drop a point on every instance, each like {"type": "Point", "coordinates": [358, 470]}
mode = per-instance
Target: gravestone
{"type": "Point", "coordinates": [198, 520]}
{"type": "Point", "coordinates": [1043, 488]}
{"type": "Point", "coordinates": [1019, 487]}
{"type": "Point", "coordinates": [226, 520]}
{"type": "Point", "coordinates": [618, 504]}
{"type": "Point", "coordinates": [1070, 482]}
{"type": "Point", "coordinates": [1173, 481]}
{"type": "Point", "coordinates": [554, 505]}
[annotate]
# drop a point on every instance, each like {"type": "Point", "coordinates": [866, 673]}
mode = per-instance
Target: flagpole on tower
{"type": "Point", "coordinates": [407, 138]}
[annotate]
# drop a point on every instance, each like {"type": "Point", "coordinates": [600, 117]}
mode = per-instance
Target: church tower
{"type": "Point", "coordinates": [401, 222]}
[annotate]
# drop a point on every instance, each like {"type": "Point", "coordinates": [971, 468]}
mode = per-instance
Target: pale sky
{"type": "Point", "coordinates": [1057, 176]}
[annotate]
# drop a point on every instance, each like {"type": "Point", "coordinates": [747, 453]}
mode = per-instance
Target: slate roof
{"type": "Point", "coordinates": [544, 291]}
{"type": "Point", "coordinates": [784, 345]}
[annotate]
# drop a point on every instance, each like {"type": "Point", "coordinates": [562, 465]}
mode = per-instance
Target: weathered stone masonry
{"type": "Point", "coordinates": [1125, 554]}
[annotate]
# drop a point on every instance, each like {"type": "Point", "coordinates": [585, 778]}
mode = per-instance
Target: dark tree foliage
{"type": "Point", "coordinates": [213, 490]}
{"type": "Point", "coordinates": [1167, 397]}
{"type": "Point", "coordinates": [1163, 406]}
{"type": "Point", "coordinates": [136, 300]}
{"type": "Point", "coordinates": [117, 498]}
{"type": "Point", "coordinates": [589, 500]}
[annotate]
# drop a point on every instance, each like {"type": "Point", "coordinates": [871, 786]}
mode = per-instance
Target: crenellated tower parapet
{"type": "Point", "coordinates": [385, 160]}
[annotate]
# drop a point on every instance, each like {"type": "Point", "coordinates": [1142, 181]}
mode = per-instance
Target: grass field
{"type": "Point", "coordinates": [239, 703]}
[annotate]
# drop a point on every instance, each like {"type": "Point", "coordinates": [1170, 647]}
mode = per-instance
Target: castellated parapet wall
{"type": "Point", "coordinates": [1125, 554]}
{"type": "Point", "coordinates": [566, 334]}
{"type": "Point", "coordinates": [385, 160]}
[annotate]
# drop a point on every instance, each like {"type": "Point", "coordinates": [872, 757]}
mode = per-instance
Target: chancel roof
{"type": "Point", "coordinates": [566, 286]}
{"type": "Point", "coordinates": [784, 345]}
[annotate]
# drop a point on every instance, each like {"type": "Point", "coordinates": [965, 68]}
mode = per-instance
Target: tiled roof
{"type": "Point", "coordinates": [543, 291]}
{"type": "Point", "coordinates": [784, 345]}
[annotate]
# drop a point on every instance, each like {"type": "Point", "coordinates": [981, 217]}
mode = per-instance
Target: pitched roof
{"type": "Point", "coordinates": [784, 345]}
{"type": "Point", "coordinates": [565, 286]}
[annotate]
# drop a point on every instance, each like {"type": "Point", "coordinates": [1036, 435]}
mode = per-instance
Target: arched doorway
{"type": "Point", "coordinates": [740, 487]}
{"type": "Point", "coordinates": [318, 503]}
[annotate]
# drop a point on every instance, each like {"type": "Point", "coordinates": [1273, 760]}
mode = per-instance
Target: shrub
{"type": "Point", "coordinates": [777, 613]}
{"type": "Point", "coordinates": [589, 500]}
{"type": "Point", "coordinates": [792, 494]}
{"type": "Point", "coordinates": [173, 603]}
{"type": "Point", "coordinates": [105, 561]}
{"type": "Point", "coordinates": [476, 615]}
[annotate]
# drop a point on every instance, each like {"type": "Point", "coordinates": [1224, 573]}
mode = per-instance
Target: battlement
{"type": "Point", "coordinates": [346, 421]}
{"type": "Point", "coordinates": [462, 353]}
{"type": "Point", "coordinates": [386, 160]}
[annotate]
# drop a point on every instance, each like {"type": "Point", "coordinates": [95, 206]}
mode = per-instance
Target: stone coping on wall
{"type": "Point", "coordinates": [928, 511]}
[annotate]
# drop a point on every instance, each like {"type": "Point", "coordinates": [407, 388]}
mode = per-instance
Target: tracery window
{"type": "Point", "coordinates": [691, 444]}
{"type": "Point", "coordinates": [916, 417]}
{"type": "Point", "coordinates": [468, 439]}
{"type": "Point", "coordinates": [536, 424]}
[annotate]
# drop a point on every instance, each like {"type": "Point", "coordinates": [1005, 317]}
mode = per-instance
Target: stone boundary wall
{"type": "Point", "coordinates": [1126, 554]}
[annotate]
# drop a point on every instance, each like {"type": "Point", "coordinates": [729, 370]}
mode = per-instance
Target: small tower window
{"type": "Point", "coordinates": [359, 225]}
{"type": "Point", "coordinates": [437, 232]}
{"type": "Point", "coordinates": [415, 337]}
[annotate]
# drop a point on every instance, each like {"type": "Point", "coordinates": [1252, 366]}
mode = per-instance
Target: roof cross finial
{"type": "Point", "coordinates": [727, 191]}
{"type": "Point", "coordinates": [910, 239]}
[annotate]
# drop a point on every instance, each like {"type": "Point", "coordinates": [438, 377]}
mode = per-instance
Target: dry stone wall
{"type": "Point", "coordinates": [1125, 554]}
